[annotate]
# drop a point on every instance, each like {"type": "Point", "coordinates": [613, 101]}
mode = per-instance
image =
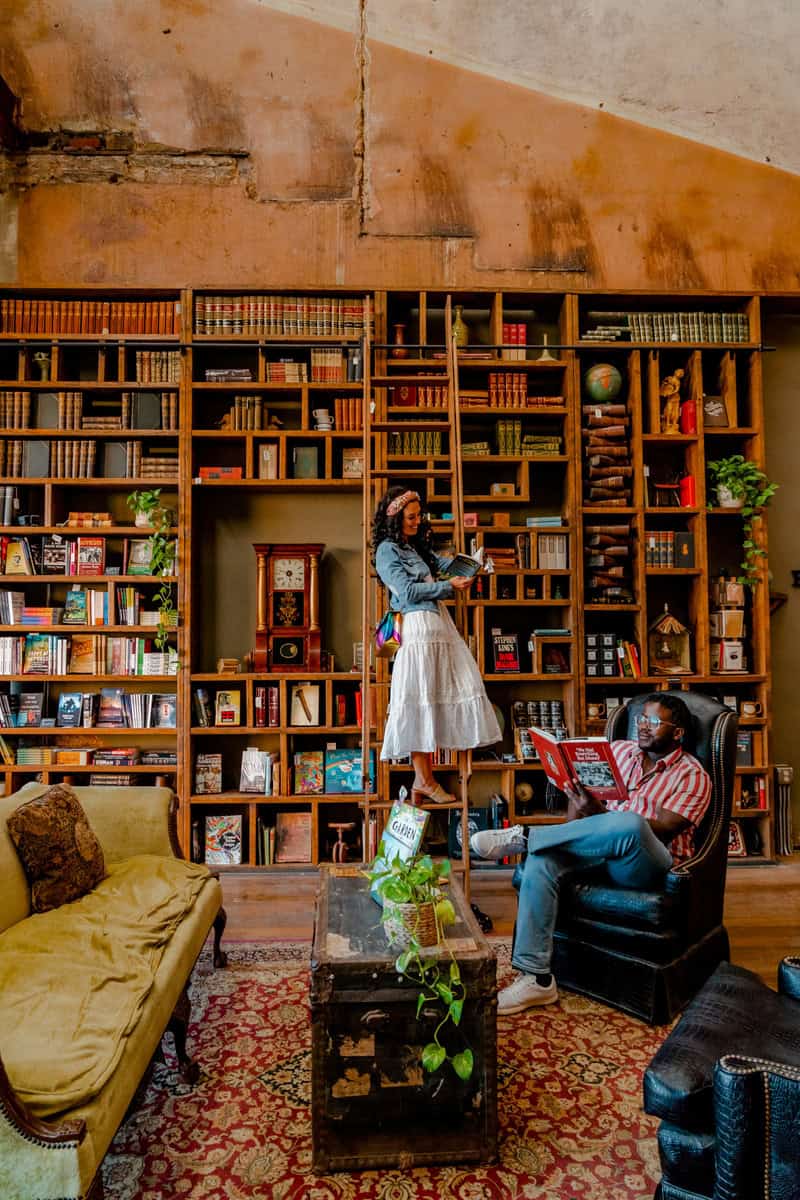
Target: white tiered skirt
{"type": "Point", "coordinates": [437, 697]}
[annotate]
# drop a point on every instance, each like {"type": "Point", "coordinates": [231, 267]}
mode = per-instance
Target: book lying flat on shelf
{"type": "Point", "coordinates": [587, 761]}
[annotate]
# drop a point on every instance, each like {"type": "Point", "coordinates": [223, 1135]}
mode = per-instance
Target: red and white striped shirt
{"type": "Point", "coordinates": [677, 782]}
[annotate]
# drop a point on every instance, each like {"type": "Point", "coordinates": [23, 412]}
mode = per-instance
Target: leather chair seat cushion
{"type": "Point", "coordinates": [650, 945]}
{"type": "Point", "coordinates": [734, 1013]}
{"type": "Point", "coordinates": [594, 898]}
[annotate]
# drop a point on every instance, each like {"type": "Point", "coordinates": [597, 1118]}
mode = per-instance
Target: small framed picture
{"type": "Point", "coordinates": [736, 846]}
{"type": "Point", "coordinates": [731, 703]}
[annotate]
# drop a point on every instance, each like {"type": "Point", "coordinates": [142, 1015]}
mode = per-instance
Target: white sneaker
{"type": "Point", "coordinates": [524, 993]}
{"type": "Point", "coordinates": [499, 843]}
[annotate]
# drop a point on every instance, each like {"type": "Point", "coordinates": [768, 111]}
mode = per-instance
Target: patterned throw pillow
{"type": "Point", "coordinates": [60, 854]}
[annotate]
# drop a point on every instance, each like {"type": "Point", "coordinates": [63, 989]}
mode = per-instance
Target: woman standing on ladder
{"type": "Point", "coordinates": [437, 697]}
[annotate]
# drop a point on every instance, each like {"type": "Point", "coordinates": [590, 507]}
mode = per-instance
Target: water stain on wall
{"type": "Point", "coordinates": [669, 257]}
{"type": "Point", "coordinates": [559, 231]}
{"type": "Point", "coordinates": [214, 113]}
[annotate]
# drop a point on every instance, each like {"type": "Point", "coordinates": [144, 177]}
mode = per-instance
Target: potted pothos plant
{"type": "Point", "coordinates": [741, 484]}
{"type": "Point", "coordinates": [415, 914]}
{"type": "Point", "coordinates": [150, 513]}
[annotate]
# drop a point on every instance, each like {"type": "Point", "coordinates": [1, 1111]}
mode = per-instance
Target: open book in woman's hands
{"type": "Point", "coordinates": [464, 565]}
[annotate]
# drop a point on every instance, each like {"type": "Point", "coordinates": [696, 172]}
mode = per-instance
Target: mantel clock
{"type": "Point", "coordinates": [288, 634]}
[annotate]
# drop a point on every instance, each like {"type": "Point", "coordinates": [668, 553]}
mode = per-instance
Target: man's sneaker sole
{"type": "Point", "coordinates": [537, 1002]}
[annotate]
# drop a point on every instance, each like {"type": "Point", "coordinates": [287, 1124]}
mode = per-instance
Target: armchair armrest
{"type": "Point", "coordinates": [757, 1108]}
{"type": "Point", "coordinates": [789, 978]}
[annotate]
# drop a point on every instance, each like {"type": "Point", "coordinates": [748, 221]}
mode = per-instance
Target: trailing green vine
{"type": "Point", "coordinates": [747, 483]}
{"type": "Point", "coordinates": [417, 881]}
{"type": "Point", "coordinates": [161, 547]}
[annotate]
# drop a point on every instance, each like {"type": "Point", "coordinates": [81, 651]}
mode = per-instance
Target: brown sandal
{"type": "Point", "coordinates": [436, 794]}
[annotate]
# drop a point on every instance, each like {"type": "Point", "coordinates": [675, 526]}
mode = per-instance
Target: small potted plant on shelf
{"type": "Point", "coordinates": [741, 484]}
{"type": "Point", "coordinates": [149, 512]}
{"type": "Point", "coordinates": [415, 913]}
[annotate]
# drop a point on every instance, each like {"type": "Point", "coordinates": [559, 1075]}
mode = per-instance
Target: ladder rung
{"type": "Point", "coordinates": [400, 426]}
{"type": "Point", "coordinates": [382, 380]}
{"type": "Point", "coordinates": [408, 475]}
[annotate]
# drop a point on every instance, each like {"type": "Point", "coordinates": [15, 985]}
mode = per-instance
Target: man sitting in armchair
{"type": "Point", "coordinates": [637, 841]}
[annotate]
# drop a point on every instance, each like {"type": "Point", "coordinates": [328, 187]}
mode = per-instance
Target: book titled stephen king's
{"type": "Point", "coordinates": [505, 652]}
{"type": "Point", "coordinates": [224, 839]}
{"type": "Point", "coordinates": [588, 761]}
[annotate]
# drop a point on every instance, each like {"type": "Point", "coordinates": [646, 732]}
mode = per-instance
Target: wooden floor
{"type": "Point", "coordinates": [762, 909]}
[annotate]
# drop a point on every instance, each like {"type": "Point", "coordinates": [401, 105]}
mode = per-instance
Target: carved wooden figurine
{"type": "Point", "coordinates": [670, 395]}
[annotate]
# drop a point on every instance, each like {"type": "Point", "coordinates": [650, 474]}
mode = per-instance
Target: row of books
{"type": "Point", "coordinates": [332, 772]}
{"type": "Point", "coordinates": [76, 459]}
{"type": "Point", "coordinates": [55, 554]}
{"type": "Point", "coordinates": [246, 412]}
{"type": "Point", "coordinates": [287, 840]}
{"type": "Point", "coordinates": [111, 708]}
{"type": "Point", "coordinates": [260, 773]}
{"type": "Point", "coordinates": [669, 327]}
{"type": "Point", "coordinates": [304, 706]}
{"type": "Point", "coordinates": [607, 655]}
{"type": "Point", "coordinates": [15, 410]}
{"type": "Point", "coordinates": [316, 316]}
{"type": "Point", "coordinates": [418, 395]}
{"type": "Point", "coordinates": [507, 389]}
{"type": "Point", "coordinates": [418, 442]}
{"type": "Point", "coordinates": [668, 548]}
{"type": "Point", "coordinates": [347, 414]}
{"type": "Point", "coordinates": [515, 340]}
{"type": "Point", "coordinates": [158, 366]}
{"type": "Point", "coordinates": [83, 654]}
{"type": "Point", "coordinates": [18, 315]}
{"type": "Point", "coordinates": [328, 366]}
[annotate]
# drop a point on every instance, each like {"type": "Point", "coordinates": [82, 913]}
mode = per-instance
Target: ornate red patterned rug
{"type": "Point", "coordinates": [569, 1082]}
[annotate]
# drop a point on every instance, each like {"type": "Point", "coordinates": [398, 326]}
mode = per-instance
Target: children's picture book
{"type": "Point", "coordinates": [588, 761]}
{"type": "Point", "coordinates": [208, 774]}
{"type": "Point", "coordinates": [224, 839]}
{"type": "Point", "coordinates": [309, 771]}
{"type": "Point", "coordinates": [293, 837]}
{"type": "Point", "coordinates": [70, 709]}
{"type": "Point", "coordinates": [343, 771]}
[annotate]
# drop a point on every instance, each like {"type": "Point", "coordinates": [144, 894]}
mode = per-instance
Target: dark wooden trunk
{"type": "Point", "coordinates": [372, 1103]}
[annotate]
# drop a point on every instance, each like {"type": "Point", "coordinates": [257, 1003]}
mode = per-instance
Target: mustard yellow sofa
{"type": "Point", "coordinates": [88, 989]}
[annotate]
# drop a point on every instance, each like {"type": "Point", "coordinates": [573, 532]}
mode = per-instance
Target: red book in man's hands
{"type": "Point", "coordinates": [588, 761]}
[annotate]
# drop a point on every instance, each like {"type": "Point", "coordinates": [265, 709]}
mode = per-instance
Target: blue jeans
{"type": "Point", "coordinates": [622, 842]}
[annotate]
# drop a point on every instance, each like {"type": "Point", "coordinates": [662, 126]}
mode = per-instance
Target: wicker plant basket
{"type": "Point", "coordinates": [403, 922]}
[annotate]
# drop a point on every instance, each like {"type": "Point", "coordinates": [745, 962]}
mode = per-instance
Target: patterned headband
{"type": "Point", "coordinates": [398, 504]}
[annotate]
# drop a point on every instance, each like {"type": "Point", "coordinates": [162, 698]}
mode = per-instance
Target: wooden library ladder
{"type": "Point", "coordinates": [378, 476]}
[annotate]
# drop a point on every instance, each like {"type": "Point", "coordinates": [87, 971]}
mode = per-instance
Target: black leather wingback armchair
{"type": "Point", "coordinates": [726, 1083]}
{"type": "Point", "coordinates": [647, 953]}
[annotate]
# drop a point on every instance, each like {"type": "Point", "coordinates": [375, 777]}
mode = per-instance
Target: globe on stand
{"type": "Point", "coordinates": [602, 383]}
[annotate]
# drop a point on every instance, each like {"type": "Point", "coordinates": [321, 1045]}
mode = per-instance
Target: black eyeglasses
{"type": "Point", "coordinates": [654, 722]}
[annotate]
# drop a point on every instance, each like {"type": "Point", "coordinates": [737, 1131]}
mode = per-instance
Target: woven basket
{"type": "Point", "coordinates": [403, 922]}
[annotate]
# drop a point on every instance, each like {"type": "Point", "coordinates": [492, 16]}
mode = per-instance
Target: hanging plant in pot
{"type": "Point", "coordinates": [741, 484]}
{"type": "Point", "coordinates": [415, 914]}
{"type": "Point", "coordinates": [151, 513]}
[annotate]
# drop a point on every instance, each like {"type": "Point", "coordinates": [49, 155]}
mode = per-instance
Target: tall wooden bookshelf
{"type": "Point", "coordinates": [525, 423]}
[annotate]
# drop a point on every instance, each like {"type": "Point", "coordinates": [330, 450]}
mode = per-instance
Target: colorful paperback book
{"type": "Point", "coordinates": [208, 774]}
{"type": "Point", "coordinates": [76, 607]}
{"type": "Point", "coordinates": [309, 771]}
{"type": "Point", "coordinates": [343, 771]}
{"type": "Point", "coordinates": [70, 709]}
{"type": "Point", "coordinates": [253, 774]}
{"type": "Point", "coordinates": [224, 839]}
{"type": "Point", "coordinates": [588, 761]}
{"type": "Point", "coordinates": [462, 565]}
{"type": "Point", "coordinates": [402, 835]}
{"type": "Point", "coordinates": [55, 554]}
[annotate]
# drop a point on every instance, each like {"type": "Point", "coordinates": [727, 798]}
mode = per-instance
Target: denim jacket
{"type": "Point", "coordinates": [404, 573]}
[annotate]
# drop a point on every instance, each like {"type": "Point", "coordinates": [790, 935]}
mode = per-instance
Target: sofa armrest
{"type": "Point", "coordinates": [789, 978]}
{"type": "Point", "coordinates": [31, 1128]}
{"type": "Point", "coordinates": [132, 820]}
{"type": "Point", "coordinates": [756, 1109]}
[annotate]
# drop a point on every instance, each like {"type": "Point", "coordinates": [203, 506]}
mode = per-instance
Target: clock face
{"type": "Point", "coordinates": [288, 573]}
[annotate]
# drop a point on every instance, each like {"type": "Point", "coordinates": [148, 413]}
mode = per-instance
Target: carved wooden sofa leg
{"type": "Point", "coordinates": [220, 921]}
{"type": "Point", "coordinates": [188, 1070]}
